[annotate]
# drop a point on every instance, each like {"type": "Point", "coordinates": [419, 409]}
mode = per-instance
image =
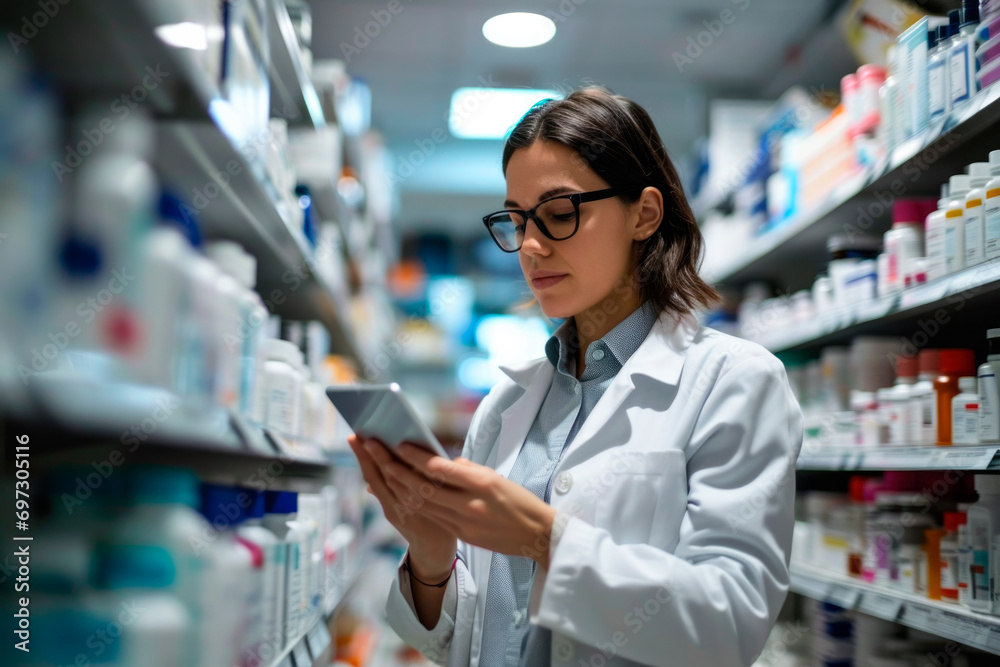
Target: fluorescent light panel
{"type": "Point", "coordinates": [519, 30]}
{"type": "Point", "coordinates": [489, 113]}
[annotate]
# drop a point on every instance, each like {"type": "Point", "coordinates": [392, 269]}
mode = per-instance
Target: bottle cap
{"type": "Point", "coordinates": [871, 71]}
{"type": "Point", "coordinates": [942, 33]}
{"type": "Point", "coordinates": [906, 367]}
{"type": "Point", "coordinates": [857, 485]}
{"type": "Point", "coordinates": [957, 361]}
{"type": "Point", "coordinates": [952, 520]}
{"type": "Point", "coordinates": [994, 162]}
{"type": "Point", "coordinates": [929, 361]}
{"type": "Point", "coordinates": [932, 38]}
{"type": "Point", "coordinates": [968, 385]}
{"type": "Point", "coordinates": [282, 350]}
{"type": "Point", "coordinates": [979, 172]}
{"type": "Point", "coordinates": [162, 485]}
{"type": "Point", "coordinates": [256, 510]}
{"type": "Point", "coordinates": [970, 13]}
{"type": "Point", "coordinates": [959, 184]}
{"type": "Point", "coordinates": [220, 506]}
{"type": "Point", "coordinates": [912, 210]}
{"type": "Point", "coordinates": [954, 21]}
{"type": "Point", "coordinates": [281, 502]}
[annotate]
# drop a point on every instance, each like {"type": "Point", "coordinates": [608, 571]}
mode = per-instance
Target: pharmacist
{"type": "Point", "coordinates": [627, 498]}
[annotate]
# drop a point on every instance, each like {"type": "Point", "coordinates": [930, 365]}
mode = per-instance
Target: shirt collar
{"type": "Point", "coordinates": [622, 341]}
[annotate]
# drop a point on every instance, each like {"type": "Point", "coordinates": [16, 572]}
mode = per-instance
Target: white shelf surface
{"type": "Point", "coordinates": [916, 167]}
{"type": "Point", "coordinates": [972, 286]}
{"type": "Point", "coordinates": [951, 621]}
{"type": "Point", "coordinates": [932, 457]}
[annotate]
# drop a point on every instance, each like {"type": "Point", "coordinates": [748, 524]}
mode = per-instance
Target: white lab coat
{"type": "Point", "coordinates": [676, 504]}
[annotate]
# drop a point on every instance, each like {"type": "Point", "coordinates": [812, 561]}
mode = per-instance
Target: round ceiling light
{"type": "Point", "coordinates": [519, 29]}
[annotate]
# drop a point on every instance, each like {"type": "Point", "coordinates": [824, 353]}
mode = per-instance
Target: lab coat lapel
{"type": "Point", "coordinates": [516, 421]}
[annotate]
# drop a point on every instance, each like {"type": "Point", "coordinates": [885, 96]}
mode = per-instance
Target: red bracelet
{"type": "Point", "coordinates": [441, 585]}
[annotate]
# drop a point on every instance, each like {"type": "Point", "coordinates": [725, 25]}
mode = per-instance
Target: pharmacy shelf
{"type": "Point", "coordinates": [76, 422]}
{"type": "Point", "coordinates": [791, 255]}
{"type": "Point", "coordinates": [958, 296]}
{"type": "Point", "coordinates": [950, 621]}
{"type": "Point", "coordinates": [312, 648]}
{"type": "Point", "coordinates": [200, 156]}
{"type": "Point", "coordinates": [293, 96]}
{"type": "Point", "coordinates": [955, 457]}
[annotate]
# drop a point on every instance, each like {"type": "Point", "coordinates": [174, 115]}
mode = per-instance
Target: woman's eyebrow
{"type": "Point", "coordinates": [562, 189]}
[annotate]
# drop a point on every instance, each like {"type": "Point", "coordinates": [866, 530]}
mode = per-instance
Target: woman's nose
{"type": "Point", "coordinates": [534, 242]}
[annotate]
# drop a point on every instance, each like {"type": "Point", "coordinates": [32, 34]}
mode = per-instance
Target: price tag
{"type": "Point", "coordinates": [843, 596]}
{"type": "Point", "coordinates": [883, 606]}
{"type": "Point", "coordinates": [968, 630]}
{"type": "Point", "coordinates": [918, 616]}
{"type": "Point", "coordinates": [301, 654]}
{"type": "Point", "coordinates": [963, 458]}
{"type": "Point", "coordinates": [993, 641]}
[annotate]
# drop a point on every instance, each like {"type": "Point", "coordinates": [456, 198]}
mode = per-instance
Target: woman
{"type": "Point", "coordinates": [627, 499]}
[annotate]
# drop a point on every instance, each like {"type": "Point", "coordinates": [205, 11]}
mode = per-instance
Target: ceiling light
{"type": "Point", "coordinates": [185, 35]}
{"type": "Point", "coordinates": [488, 113]}
{"type": "Point", "coordinates": [519, 29]}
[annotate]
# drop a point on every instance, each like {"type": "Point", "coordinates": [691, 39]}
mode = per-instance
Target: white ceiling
{"type": "Point", "coordinates": [432, 47]}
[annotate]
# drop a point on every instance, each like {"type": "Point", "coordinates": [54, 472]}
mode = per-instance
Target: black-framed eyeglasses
{"type": "Point", "coordinates": [558, 218]}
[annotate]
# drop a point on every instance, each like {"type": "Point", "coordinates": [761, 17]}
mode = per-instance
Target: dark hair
{"type": "Point", "coordinates": [617, 139]}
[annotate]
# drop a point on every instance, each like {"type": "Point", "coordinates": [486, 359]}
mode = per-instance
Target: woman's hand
{"type": "Point", "coordinates": [471, 501]}
{"type": "Point", "coordinates": [432, 545]}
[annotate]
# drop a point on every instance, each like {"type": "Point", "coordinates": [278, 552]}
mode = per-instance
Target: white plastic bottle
{"type": "Point", "coordinates": [979, 176]}
{"type": "Point", "coordinates": [283, 386]}
{"type": "Point", "coordinates": [988, 375]}
{"type": "Point", "coordinates": [984, 526]}
{"type": "Point", "coordinates": [965, 413]}
{"type": "Point", "coordinates": [273, 585]}
{"type": "Point", "coordinates": [934, 237]}
{"type": "Point", "coordinates": [230, 584]}
{"type": "Point", "coordinates": [160, 518]}
{"type": "Point", "coordinates": [938, 90]}
{"type": "Point", "coordinates": [991, 209]}
{"type": "Point", "coordinates": [247, 333]}
{"type": "Point", "coordinates": [228, 376]}
{"type": "Point", "coordinates": [281, 508]}
{"type": "Point", "coordinates": [309, 519]}
{"type": "Point", "coordinates": [923, 400]}
{"type": "Point", "coordinates": [964, 563]}
{"type": "Point", "coordinates": [899, 398]}
{"type": "Point", "coordinates": [962, 75]}
{"type": "Point", "coordinates": [954, 227]}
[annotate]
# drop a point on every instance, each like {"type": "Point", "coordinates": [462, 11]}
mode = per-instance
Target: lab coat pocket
{"type": "Point", "coordinates": [637, 488]}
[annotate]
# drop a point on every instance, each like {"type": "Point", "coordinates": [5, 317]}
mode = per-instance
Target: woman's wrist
{"type": "Point", "coordinates": [542, 535]}
{"type": "Point", "coordinates": [430, 569]}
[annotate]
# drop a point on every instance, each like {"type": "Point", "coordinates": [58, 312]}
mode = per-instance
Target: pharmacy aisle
{"type": "Point", "coordinates": [872, 270]}
{"type": "Point", "coordinates": [180, 271]}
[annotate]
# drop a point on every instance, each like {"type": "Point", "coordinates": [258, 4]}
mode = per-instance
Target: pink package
{"type": "Point", "coordinates": [989, 73]}
{"type": "Point", "coordinates": [989, 51]}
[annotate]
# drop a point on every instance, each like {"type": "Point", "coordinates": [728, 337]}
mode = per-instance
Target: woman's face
{"type": "Point", "coordinates": [576, 275]}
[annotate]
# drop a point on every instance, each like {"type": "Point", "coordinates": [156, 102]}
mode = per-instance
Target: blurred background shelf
{"type": "Point", "coordinates": [790, 255]}
{"type": "Point", "coordinates": [967, 297]}
{"type": "Point", "coordinates": [293, 96]}
{"type": "Point", "coordinates": [955, 457]}
{"type": "Point", "coordinates": [950, 621]}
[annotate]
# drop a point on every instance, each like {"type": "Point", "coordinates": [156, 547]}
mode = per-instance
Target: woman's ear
{"type": "Point", "coordinates": [650, 212]}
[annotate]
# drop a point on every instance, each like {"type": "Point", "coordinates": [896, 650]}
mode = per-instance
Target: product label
{"type": "Point", "coordinates": [989, 408]}
{"type": "Point", "coordinates": [959, 74]}
{"type": "Point", "coordinates": [974, 252]}
{"type": "Point", "coordinates": [935, 248]}
{"type": "Point", "coordinates": [951, 249]}
{"type": "Point", "coordinates": [936, 92]}
{"type": "Point", "coordinates": [965, 424]}
{"type": "Point", "coordinates": [293, 590]}
{"type": "Point", "coordinates": [964, 564]}
{"type": "Point", "coordinates": [979, 576]}
{"type": "Point", "coordinates": [991, 224]}
{"type": "Point", "coordinates": [949, 571]}
{"type": "Point", "coordinates": [283, 398]}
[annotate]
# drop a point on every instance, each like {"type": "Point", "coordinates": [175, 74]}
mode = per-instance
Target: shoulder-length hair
{"type": "Point", "coordinates": [616, 138]}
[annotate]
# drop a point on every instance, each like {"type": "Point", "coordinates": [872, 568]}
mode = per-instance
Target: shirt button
{"type": "Point", "coordinates": [576, 388]}
{"type": "Point", "coordinates": [564, 651]}
{"type": "Point", "coordinates": [519, 617]}
{"type": "Point", "coordinates": [598, 354]}
{"type": "Point", "coordinates": [564, 481]}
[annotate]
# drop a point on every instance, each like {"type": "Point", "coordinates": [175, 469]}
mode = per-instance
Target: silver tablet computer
{"type": "Point", "coordinates": [382, 412]}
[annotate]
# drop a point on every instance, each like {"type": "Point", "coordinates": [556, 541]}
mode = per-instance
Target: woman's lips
{"type": "Point", "coordinates": [544, 282]}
